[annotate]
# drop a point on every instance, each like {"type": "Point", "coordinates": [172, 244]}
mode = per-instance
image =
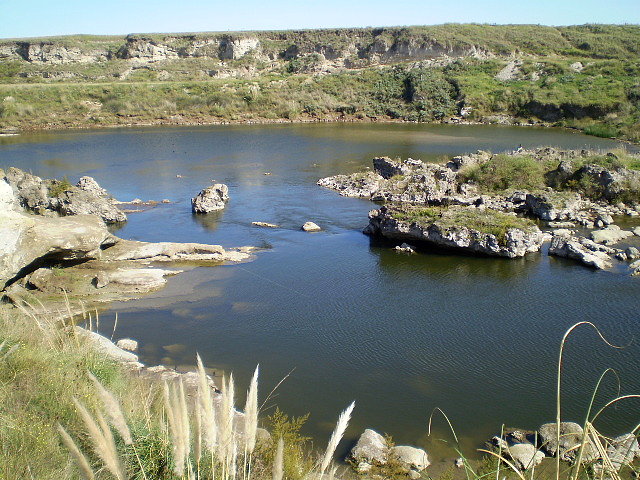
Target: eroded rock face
{"type": "Point", "coordinates": [49, 197]}
{"type": "Point", "coordinates": [611, 182]}
{"type": "Point", "coordinates": [516, 243]}
{"type": "Point", "coordinates": [553, 207]}
{"type": "Point", "coordinates": [210, 199]}
{"type": "Point", "coordinates": [27, 242]}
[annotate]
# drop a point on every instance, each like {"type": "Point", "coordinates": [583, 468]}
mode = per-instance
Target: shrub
{"type": "Point", "coordinates": [505, 172]}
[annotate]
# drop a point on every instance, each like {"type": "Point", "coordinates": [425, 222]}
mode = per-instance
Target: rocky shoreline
{"type": "Point", "coordinates": [448, 206]}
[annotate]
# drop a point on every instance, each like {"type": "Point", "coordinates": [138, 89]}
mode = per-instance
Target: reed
{"type": "Point", "coordinates": [336, 436]}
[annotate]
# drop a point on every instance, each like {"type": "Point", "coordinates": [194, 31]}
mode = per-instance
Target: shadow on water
{"type": "Point", "coordinates": [209, 221]}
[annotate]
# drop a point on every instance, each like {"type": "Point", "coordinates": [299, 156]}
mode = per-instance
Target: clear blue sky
{"type": "Point", "coordinates": [27, 18]}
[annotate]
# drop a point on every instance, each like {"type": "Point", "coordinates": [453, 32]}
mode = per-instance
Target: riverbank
{"type": "Point", "coordinates": [458, 73]}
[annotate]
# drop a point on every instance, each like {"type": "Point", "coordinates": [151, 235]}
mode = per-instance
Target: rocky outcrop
{"type": "Point", "coordinates": [59, 197]}
{"type": "Point", "coordinates": [610, 183]}
{"type": "Point", "coordinates": [441, 232]}
{"type": "Point", "coordinates": [210, 199]}
{"type": "Point", "coordinates": [525, 455]}
{"type": "Point", "coordinates": [581, 249]}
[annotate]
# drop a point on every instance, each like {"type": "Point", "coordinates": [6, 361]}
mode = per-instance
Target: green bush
{"type": "Point", "coordinates": [505, 172]}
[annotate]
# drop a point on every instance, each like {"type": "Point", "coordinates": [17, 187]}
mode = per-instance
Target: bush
{"type": "Point", "coordinates": [505, 172]}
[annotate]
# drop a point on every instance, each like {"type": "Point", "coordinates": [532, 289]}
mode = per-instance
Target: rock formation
{"type": "Point", "coordinates": [210, 199]}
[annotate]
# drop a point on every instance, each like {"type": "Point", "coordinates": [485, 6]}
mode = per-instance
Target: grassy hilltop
{"type": "Point", "coordinates": [579, 76]}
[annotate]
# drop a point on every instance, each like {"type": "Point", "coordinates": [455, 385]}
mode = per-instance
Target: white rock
{"type": "Point", "coordinates": [525, 455]}
{"type": "Point", "coordinates": [411, 457]}
{"type": "Point", "coordinates": [311, 227]}
{"type": "Point", "coordinates": [105, 346]}
{"type": "Point", "coordinates": [370, 449]}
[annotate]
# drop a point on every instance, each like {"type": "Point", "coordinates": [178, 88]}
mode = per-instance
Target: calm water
{"type": "Point", "coordinates": [349, 317]}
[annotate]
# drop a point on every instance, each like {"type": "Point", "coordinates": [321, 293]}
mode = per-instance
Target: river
{"type": "Point", "coordinates": [345, 316]}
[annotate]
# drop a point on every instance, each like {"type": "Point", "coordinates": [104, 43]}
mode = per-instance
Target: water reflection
{"type": "Point", "coordinates": [209, 221]}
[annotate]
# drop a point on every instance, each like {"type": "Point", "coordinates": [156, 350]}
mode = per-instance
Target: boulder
{"type": "Point", "coordinates": [311, 227]}
{"type": "Point", "coordinates": [371, 449]}
{"type": "Point", "coordinates": [210, 199]}
{"type": "Point", "coordinates": [580, 249]}
{"type": "Point", "coordinates": [610, 235]}
{"type": "Point", "coordinates": [570, 440]}
{"type": "Point", "coordinates": [636, 231]}
{"type": "Point", "coordinates": [632, 253]}
{"type": "Point", "coordinates": [609, 183]}
{"type": "Point", "coordinates": [411, 458]}
{"type": "Point", "coordinates": [553, 207]}
{"type": "Point", "coordinates": [525, 455]}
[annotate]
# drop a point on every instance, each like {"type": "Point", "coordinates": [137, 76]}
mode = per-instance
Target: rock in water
{"type": "Point", "coordinates": [581, 249]}
{"type": "Point", "coordinates": [570, 439]}
{"type": "Point", "coordinates": [610, 235]}
{"type": "Point", "coordinates": [210, 199]}
{"type": "Point", "coordinates": [311, 227]}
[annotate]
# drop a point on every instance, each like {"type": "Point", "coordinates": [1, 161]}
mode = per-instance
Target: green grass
{"type": "Point", "coordinates": [504, 172]}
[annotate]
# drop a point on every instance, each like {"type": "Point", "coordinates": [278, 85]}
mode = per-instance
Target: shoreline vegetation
{"type": "Point", "coordinates": [581, 77]}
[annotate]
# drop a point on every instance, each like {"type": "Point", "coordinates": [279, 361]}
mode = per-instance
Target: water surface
{"type": "Point", "coordinates": [346, 315]}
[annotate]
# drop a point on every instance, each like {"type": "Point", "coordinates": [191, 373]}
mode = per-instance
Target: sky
{"type": "Point", "coordinates": [34, 18]}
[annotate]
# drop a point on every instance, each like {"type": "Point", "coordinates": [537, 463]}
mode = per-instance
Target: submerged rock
{"type": "Point", "coordinates": [405, 248]}
{"type": "Point", "coordinates": [210, 199]}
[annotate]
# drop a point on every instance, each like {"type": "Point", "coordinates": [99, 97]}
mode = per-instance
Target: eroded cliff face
{"type": "Point", "coordinates": [345, 47]}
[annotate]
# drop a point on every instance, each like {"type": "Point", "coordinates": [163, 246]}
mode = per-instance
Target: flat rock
{"type": "Point", "coordinates": [610, 235]}
{"type": "Point", "coordinates": [265, 224]}
{"type": "Point", "coordinates": [636, 231]}
{"type": "Point", "coordinates": [127, 344]}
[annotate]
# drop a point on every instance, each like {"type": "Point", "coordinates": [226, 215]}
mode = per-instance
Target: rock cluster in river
{"type": "Point", "coordinates": [49, 255]}
{"type": "Point", "coordinates": [413, 182]}
{"type": "Point", "coordinates": [516, 242]}
{"type": "Point", "coordinates": [211, 199]}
